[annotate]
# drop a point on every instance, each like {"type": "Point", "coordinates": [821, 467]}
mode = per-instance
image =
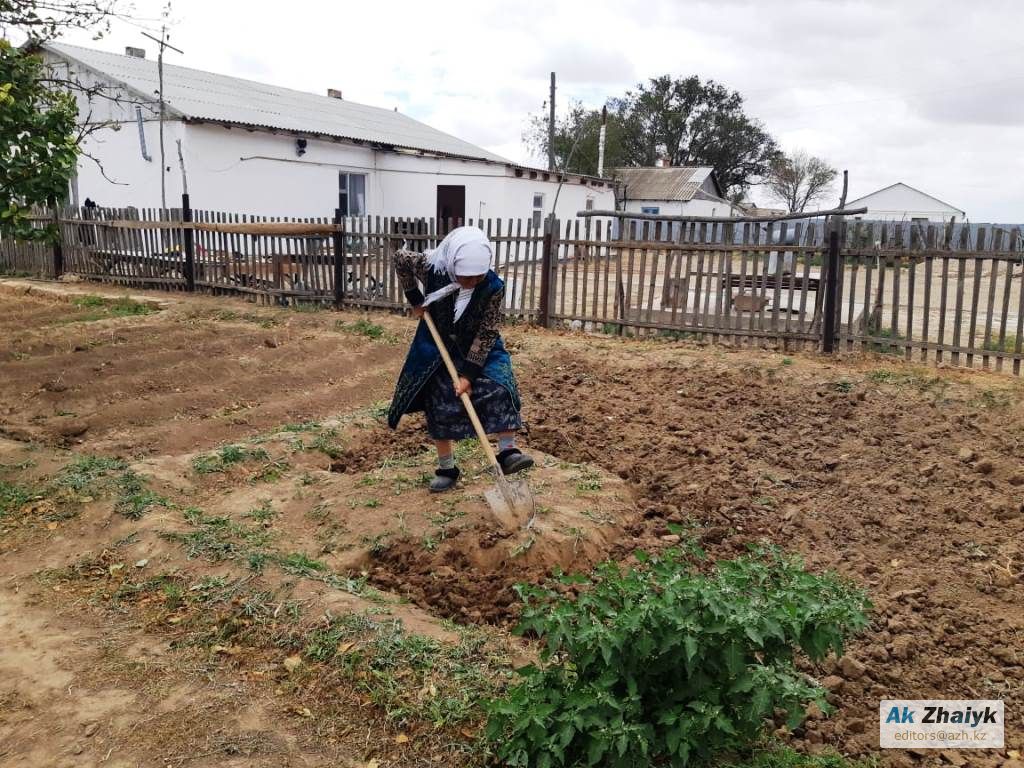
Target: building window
{"type": "Point", "coordinates": [352, 193]}
{"type": "Point", "coordinates": [538, 211]}
{"type": "Point", "coordinates": [590, 203]}
{"type": "Point", "coordinates": [652, 209]}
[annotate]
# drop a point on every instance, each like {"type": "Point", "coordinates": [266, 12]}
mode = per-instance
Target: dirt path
{"type": "Point", "coordinates": [313, 538]}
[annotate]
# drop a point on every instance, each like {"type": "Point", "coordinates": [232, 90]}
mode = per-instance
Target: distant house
{"type": "Point", "coordinates": [901, 202]}
{"type": "Point", "coordinates": [672, 191]}
{"type": "Point", "coordinates": [254, 148]}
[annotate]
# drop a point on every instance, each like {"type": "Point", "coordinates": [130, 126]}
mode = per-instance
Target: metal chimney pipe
{"type": "Point", "coordinates": [600, 141]}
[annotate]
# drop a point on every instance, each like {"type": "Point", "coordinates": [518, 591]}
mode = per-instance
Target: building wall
{"type": "Point", "coordinates": [260, 173]}
{"type": "Point", "coordinates": [901, 203]}
{"type": "Point", "coordinates": [709, 208]}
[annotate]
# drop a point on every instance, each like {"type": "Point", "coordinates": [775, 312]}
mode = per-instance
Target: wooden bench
{"type": "Point", "coordinates": [761, 287]}
{"type": "Point", "coordinates": [796, 282]}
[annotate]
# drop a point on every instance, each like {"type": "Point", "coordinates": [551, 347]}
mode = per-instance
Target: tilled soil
{"type": "Point", "coordinates": [215, 374]}
{"type": "Point", "coordinates": [907, 481]}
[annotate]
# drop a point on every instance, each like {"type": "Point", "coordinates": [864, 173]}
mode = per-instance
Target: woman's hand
{"type": "Point", "coordinates": [463, 387]}
{"type": "Point", "coordinates": [419, 311]}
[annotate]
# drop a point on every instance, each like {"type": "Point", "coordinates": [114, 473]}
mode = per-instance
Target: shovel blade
{"type": "Point", "coordinates": [512, 503]}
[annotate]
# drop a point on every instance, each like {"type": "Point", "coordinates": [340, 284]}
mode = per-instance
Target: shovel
{"type": "Point", "coordinates": [510, 500]}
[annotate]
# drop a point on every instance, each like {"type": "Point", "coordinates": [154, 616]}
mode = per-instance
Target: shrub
{"type": "Point", "coordinates": [662, 664]}
{"type": "Point", "coordinates": [13, 498]}
{"type": "Point", "coordinates": [210, 463]}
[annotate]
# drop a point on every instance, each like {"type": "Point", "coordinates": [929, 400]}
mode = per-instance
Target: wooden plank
{"type": "Point", "coordinates": [588, 262]}
{"type": "Point", "coordinates": [958, 311]}
{"type": "Point", "coordinates": [1019, 340]}
{"type": "Point", "coordinates": [716, 272]}
{"type": "Point", "coordinates": [755, 261]}
{"type": "Point", "coordinates": [579, 304]}
{"type": "Point", "coordinates": [605, 255]}
{"type": "Point", "coordinates": [636, 301]}
{"type": "Point", "coordinates": [699, 240]}
{"type": "Point", "coordinates": [628, 296]}
{"type": "Point", "coordinates": [521, 280]}
{"type": "Point", "coordinates": [534, 245]}
{"type": "Point", "coordinates": [929, 265]}
{"type": "Point", "coordinates": [787, 327]}
{"type": "Point", "coordinates": [724, 291]}
{"type": "Point", "coordinates": [696, 330]}
{"type": "Point", "coordinates": [777, 274]}
{"type": "Point", "coordinates": [975, 296]}
{"type": "Point", "coordinates": [944, 286]}
{"type": "Point", "coordinates": [997, 241]}
{"type": "Point", "coordinates": [894, 313]}
{"type": "Point", "coordinates": [911, 286]}
{"type": "Point", "coordinates": [1005, 313]}
{"type": "Point", "coordinates": [674, 283]}
{"type": "Point", "coordinates": [738, 321]}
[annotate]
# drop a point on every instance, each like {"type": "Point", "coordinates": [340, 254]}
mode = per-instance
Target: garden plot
{"type": "Point", "coordinates": [214, 552]}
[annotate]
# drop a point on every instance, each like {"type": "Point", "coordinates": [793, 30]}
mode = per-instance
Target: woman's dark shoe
{"type": "Point", "coordinates": [513, 460]}
{"type": "Point", "coordinates": [444, 480]}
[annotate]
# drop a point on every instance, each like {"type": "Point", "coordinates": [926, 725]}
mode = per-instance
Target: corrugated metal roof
{"type": "Point", "coordinates": [678, 183]}
{"type": "Point", "coordinates": [192, 93]}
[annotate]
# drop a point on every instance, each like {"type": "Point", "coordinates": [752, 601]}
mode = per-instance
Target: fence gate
{"type": "Point", "coordinates": [716, 280]}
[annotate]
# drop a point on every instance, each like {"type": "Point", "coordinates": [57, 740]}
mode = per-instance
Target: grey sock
{"type": "Point", "coordinates": [504, 443]}
{"type": "Point", "coordinates": [446, 462]}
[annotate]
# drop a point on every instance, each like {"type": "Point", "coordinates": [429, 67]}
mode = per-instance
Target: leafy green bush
{"type": "Point", "coordinates": [663, 664]}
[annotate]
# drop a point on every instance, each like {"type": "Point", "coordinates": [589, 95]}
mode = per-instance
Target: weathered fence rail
{"type": "Point", "coordinates": [936, 293]}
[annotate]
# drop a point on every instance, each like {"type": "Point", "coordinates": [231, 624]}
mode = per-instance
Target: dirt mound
{"type": "Point", "coordinates": [377, 445]}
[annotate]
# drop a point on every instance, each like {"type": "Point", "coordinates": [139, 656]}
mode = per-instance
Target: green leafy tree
{"type": "Point", "coordinates": [576, 139]}
{"type": "Point", "coordinates": [684, 121]}
{"type": "Point", "coordinates": [38, 140]}
{"type": "Point", "coordinates": [666, 664]}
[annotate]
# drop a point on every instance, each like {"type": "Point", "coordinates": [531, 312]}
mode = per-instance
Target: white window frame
{"type": "Point", "coordinates": [538, 211]}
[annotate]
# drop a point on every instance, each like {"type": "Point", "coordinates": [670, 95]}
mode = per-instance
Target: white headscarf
{"type": "Point", "coordinates": [464, 252]}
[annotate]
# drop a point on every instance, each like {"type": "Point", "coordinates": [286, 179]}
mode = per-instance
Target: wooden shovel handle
{"type": "Point", "coordinates": [480, 433]}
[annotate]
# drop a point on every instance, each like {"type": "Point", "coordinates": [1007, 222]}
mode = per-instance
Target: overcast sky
{"type": "Point", "coordinates": [927, 92]}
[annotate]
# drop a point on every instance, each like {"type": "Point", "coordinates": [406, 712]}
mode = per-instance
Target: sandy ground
{"type": "Point", "coordinates": [182, 635]}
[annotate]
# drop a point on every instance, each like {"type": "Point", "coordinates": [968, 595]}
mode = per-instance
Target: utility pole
{"type": "Point", "coordinates": [162, 41]}
{"type": "Point", "coordinates": [551, 125]}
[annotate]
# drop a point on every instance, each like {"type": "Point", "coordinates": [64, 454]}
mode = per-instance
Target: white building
{"type": "Point", "coordinates": [672, 191]}
{"type": "Point", "coordinates": [253, 148]}
{"type": "Point", "coordinates": [902, 202]}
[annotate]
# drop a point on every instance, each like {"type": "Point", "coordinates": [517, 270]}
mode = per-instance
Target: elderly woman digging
{"type": "Point", "coordinates": [465, 298]}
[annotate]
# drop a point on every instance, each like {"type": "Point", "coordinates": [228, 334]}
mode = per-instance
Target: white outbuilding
{"type": "Point", "coordinates": [902, 202]}
{"type": "Point", "coordinates": [260, 149]}
{"type": "Point", "coordinates": [673, 191]}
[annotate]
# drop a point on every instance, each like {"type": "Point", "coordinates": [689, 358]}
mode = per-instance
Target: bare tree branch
{"type": "Point", "coordinates": [46, 19]}
{"type": "Point", "coordinates": [798, 179]}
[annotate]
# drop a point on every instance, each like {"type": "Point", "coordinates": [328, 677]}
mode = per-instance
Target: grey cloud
{"type": "Point", "coordinates": [995, 104]}
{"type": "Point", "coordinates": [584, 62]}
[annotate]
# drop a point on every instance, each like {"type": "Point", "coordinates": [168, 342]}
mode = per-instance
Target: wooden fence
{"type": "Point", "coordinates": [927, 294]}
{"type": "Point", "coordinates": [271, 259]}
